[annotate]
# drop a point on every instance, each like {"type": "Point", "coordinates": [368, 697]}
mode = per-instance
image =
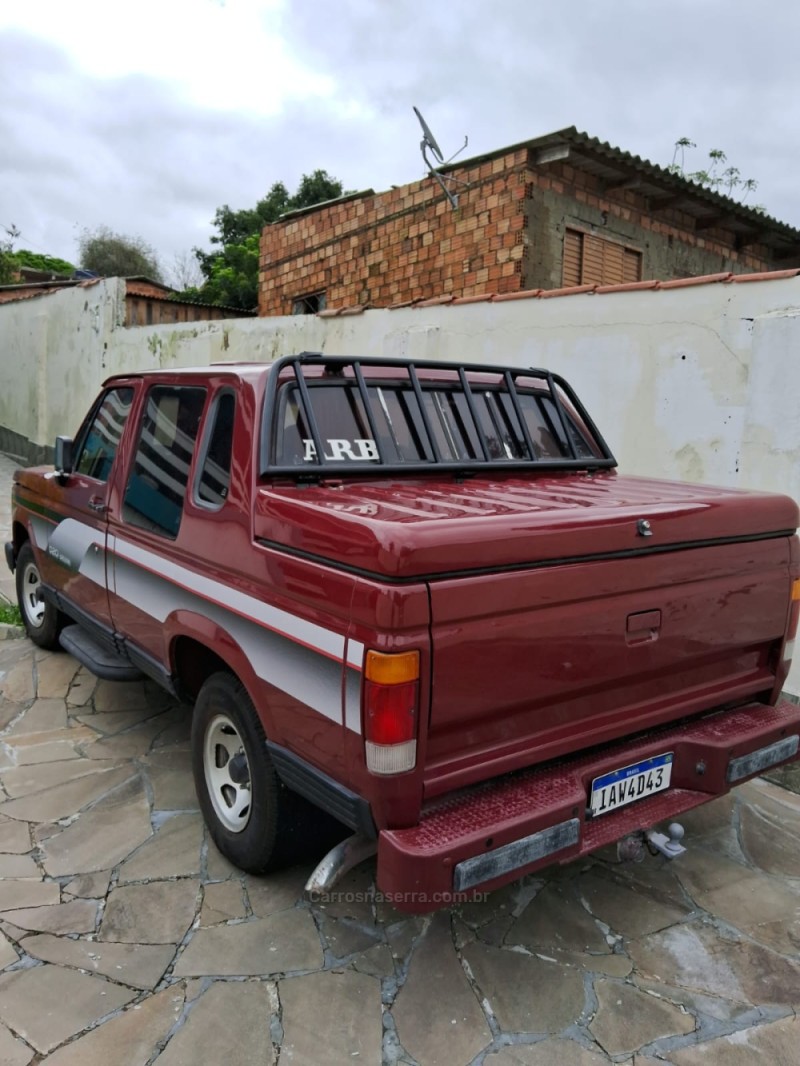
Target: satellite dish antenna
{"type": "Point", "coordinates": [429, 143]}
{"type": "Point", "coordinates": [428, 139]}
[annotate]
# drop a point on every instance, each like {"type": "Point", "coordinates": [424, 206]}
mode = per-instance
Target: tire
{"type": "Point", "coordinates": [43, 622]}
{"type": "Point", "coordinates": [245, 805]}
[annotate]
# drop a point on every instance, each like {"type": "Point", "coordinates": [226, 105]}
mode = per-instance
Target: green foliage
{"type": "Point", "coordinates": [728, 181]}
{"type": "Point", "coordinates": [114, 255]}
{"type": "Point", "coordinates": [9, 614]}
{"type": "Point", "coordinates": [11, 261]}
{"type": "Point", "coordinates": [37, 261]}
{"type": "Point", "coordinates": [231, 270]}
{"type": "Point", "coordinates": [8, 268]}
{"type": "Point", "coordinates": [232, 275]}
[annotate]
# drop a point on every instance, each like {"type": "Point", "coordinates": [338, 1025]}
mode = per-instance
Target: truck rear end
{"type": "Point", "coordinates": [545, 657]}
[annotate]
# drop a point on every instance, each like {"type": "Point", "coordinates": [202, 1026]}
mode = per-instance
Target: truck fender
{"type": "Point", "coordinates": [185, 633]}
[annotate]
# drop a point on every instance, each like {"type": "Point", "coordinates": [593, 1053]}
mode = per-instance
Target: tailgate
{"type": "Point", "coordinates": [532, 664]}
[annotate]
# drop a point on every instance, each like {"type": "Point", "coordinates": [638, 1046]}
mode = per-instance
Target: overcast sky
{"type": "Point", "coordinates": [146, 117]}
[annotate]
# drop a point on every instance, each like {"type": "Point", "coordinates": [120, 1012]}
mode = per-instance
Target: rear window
{"type": "Point", "coordinates": [437, 424]}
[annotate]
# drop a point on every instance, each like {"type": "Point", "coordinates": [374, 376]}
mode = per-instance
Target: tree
{"type": "Point", "coordinates": [712, 176]}
{"type": "Point", "coordinates": [185, 271]}
{"type": "Point", "coordinates": [115, 255]}
{"type": "Point", "coordinates": [8, 266]}
{"type": "Point", "coordinates": [231, 270]}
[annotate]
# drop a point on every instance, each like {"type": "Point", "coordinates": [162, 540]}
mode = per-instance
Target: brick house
{"type": "Point", "coordinates": [560, 211]}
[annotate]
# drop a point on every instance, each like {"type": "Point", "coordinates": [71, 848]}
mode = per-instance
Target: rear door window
{"type": "Point", "coordinates": [157, 483]}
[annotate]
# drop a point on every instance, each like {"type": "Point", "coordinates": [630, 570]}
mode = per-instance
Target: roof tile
{"type": "Point", "coordinates": [435, 300]}
{"type": "Point", "coordinates": [475, 299]}
{"type": "Point", "coordinates": [526, 294]}
{"type": "Point", "coordinates": [767, 275]}
{"type": "Point", "coordinates": [570, 290]}
{"type": "Point", "coordinates": [703, 279]}
{"type": "Point", "coordinates": [602, 290]}
{"type": "Point", "coordinates": [629, 286]}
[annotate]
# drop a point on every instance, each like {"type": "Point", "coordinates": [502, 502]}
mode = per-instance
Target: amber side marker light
{"type": "Point", "coordinates": [390, 711]}
{"type": "Point", "coordinates": [794, 618]}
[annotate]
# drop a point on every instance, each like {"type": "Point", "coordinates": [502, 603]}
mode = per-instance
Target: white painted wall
{"type": "Point", "coordinates": [700, 383]}
{"type": "Point", "coordinates": [54, 354]}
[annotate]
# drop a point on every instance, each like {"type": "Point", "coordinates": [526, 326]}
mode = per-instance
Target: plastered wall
{"type": "Point", "coordinates": [699, 383]}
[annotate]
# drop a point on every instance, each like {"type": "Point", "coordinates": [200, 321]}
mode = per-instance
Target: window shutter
{"type": "Point", "coordinates": [632, 266]}
{"type": "Point", "coordinates": [572, 258]}
{"type": "Point", "coordinates": [591, 260]}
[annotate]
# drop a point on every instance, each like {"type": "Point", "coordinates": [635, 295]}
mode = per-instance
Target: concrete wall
{"type": "Point", "coordinates": [52, 355]}
{"type": "Point", "coordinates": [698, 383]}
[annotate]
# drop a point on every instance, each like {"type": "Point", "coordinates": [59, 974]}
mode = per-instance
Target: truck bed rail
{"type": "Point", "coordinates": [401, 416]}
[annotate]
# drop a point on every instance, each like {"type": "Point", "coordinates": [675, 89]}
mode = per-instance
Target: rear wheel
{"type": "Point", "coordinates": [245, 805]}
{"type": "Point", "coordinates": [43, 622]}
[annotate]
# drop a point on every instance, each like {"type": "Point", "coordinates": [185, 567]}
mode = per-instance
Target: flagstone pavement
{"type": "Point", "coordinates": [126, 939]}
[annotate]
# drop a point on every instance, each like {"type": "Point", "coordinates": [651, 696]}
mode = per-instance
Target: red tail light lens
{"type": "Point", "coordinates": [390, 711]}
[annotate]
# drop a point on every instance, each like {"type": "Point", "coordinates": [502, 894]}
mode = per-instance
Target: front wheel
{"type": "Point", "coordinates": [244, 803]}
{"type": "Point", "coordinates": [43, 622]}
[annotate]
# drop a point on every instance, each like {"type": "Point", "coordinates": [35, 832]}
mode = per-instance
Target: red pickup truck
{"type": "Point", "coordinates": [419, 595]}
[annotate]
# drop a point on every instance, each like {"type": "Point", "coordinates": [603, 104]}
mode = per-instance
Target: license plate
{"type": "Point", "coordinates": [631, 783]}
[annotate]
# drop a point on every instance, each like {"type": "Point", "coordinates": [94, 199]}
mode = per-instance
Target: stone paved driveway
{"type": "Point", "coordinates": [126, 939]}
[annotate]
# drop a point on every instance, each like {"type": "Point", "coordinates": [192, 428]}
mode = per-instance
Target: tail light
{"type": "Point", "coordinates": [391, 711]}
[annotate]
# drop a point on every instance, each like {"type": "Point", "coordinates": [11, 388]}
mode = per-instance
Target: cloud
{"type": "Point", "coordinates": [149, 150]}
{"type": "Point", "coordinates": [627, 72]}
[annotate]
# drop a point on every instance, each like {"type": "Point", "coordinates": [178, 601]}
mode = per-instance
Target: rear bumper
{"type": "Point", "coordinates": [480, 838]}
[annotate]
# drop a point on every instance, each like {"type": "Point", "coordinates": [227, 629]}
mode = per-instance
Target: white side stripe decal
{"type": "Point", "coordinates": [298, 657]}
{"type": "Point", "coordinates": [299, 671]}
{"type": "Point", "coordinates": [289, 625]}
{"type": "Point", "coordinates": [355, 654]}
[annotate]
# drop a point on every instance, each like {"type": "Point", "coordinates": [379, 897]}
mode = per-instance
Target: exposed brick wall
{"type": "Point", "coordinates": [405, 244]}
{"type": "Point", "coordinates": [506, 235]}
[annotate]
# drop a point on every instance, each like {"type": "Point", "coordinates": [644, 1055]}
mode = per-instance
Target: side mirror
{"type": "Point", "coordinates": [63, 458]}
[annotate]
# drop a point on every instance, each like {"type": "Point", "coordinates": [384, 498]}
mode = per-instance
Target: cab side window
{"type": "Point", "coordinates": [99, 441]}
{"type": "Point", "coordinates": [157, 483]}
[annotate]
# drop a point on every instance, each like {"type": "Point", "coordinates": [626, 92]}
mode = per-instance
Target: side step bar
{"type": "Point", "coordinates": [101, 660]}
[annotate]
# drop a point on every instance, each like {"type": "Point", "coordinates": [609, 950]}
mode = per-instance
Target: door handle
{"type": "Point", "coordinates": [643, 627]}
{"type": "Point", "coordinates": [96, 504]}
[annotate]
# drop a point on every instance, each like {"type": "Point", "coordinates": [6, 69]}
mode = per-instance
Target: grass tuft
{"type": "Point", "coordinates": [9, 614]}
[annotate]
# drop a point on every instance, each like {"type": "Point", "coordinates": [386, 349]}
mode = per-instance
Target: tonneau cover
{"type": "Point", "coordinates": [423, 527]}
